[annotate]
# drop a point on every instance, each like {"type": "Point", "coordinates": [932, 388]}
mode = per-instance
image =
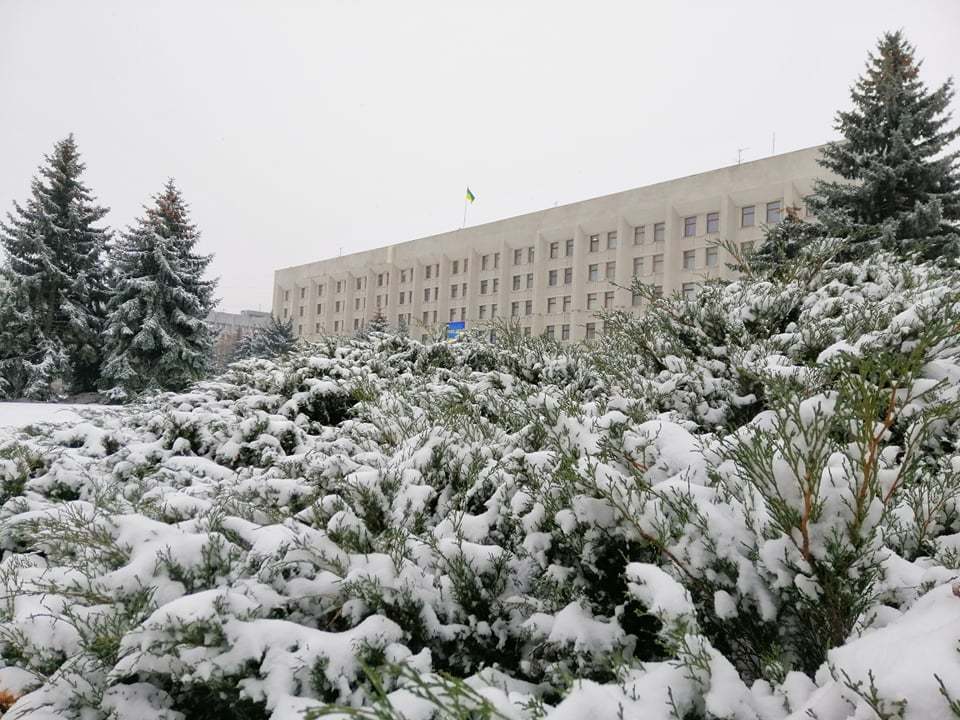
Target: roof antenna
{"type": "Point", "coordinates": [740, 154]}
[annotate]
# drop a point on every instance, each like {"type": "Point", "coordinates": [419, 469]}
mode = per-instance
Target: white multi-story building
{"type": "Point", "coordinates": [551, 271]}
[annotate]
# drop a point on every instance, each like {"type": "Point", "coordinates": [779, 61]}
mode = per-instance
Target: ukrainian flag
{"type": "Point", "coordinates": [470, 196]}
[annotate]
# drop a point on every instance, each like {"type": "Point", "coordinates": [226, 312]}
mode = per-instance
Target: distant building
{"type": "Point", "coordinates": [551, 271]}
{"type": "Point", "coordinates": [230, 327]}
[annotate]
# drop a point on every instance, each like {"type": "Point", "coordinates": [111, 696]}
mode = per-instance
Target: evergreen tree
{"type": "Point", "coordinates": [268, 341]}
{"type": "Point", "coordinates": [378, 323]}
{"type": "Point", "coordinates": [157, 336]}
{"type": "Point", "coordinates": [52, 317]}
{"type": "Point", "coordinates": [902, 188]}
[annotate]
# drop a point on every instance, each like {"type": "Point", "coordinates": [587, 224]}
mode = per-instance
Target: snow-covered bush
{"type": "Point", "coordinates": [732, 507]}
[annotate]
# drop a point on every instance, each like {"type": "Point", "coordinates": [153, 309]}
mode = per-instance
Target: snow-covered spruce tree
{"type": "Point", "coordinates": [378, 323]}
{"type": "Point", "coordinates": [269, 341]}
{"type": "Point", "coordinates": [900, 187]}
{"type": "Point", "coordinates": [54, 309]}
{"type": "Point", "coordinates": [157, 336]}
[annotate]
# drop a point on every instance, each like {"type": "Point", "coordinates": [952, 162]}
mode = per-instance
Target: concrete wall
{"type": "Point", "coordinates": [308, 293]}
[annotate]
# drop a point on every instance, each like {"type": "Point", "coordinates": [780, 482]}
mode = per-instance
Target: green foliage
{"type": "Point", "coordinates": [900, 187]}
{"type": "Point", "coordinates": [52, 307]}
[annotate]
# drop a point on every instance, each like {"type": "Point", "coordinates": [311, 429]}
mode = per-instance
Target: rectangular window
{"type": "Point", "coordinates": [529, 281]}
{"type": "Point", "coordinates": [338, 306]}
{"type": "Point", "coordinates": [356, 304]}
{"type": "Point", "coordinates": [319, 308]}
{"type": "Point", "coordinates": [658, 263]}
{"type": "Point", "coordinates": [483, 287]}
{"type": "Point", "coordinates": [639, 234]}
{"type": "Point", "coordinates": [530, 254]}
{"type": "Point", "coordinates": [403, 276]}
{"type": "Point", "coordinates": [316, 328]}
{"type": "Point", "coordinates": [453, 314]}
{"type": "Point", "coordinates": [567, 275]}
{"type": "Point", "coordinates": [426, 294]}
{"type": "Point", "coordinates": [637, 266]}
{"type": "Point", "coordinates": [517, 256]}
{"type": "Point", "coordinates": [463, 290]}
{"type": "Point", "coordinates": [465, 264]}
{"type": "Point", "coordinates": [568, 251]}
{"type": "Point", "coordinates": [712, 255]}
{"type": "Point", "coordinates": [690, 226]}
{"type": "Point", "coordinates": [528, 307]}
{"type": "Point", "coordinates": [456, 267]}
{"type": "Point", "coordinates": [496, 285]}
{"type": "Point", "coordinates": [591, 333]}
{"type": "Point", "coordinates": [359, 283]}
{"type": "Point", "coordinates": [339, 286]}
{"type": "Point", "coordinates": [689, 290]}
{"type": "Point", "coordinates": [746, 247]}
{"type": "Point", "coordinates": [517, 279]}
{"type": "Point", "coordinates": [612, 240]}
{"type": "Point", "coordinates": [713, 222]}
{"type": "Point", "coordinates": [493, 310]}
{"type": "Point", "coordinates": [591, 301]}
{"type": "Point", "coordinates": [636, 299]}
{"type": "Point", "coordinates": [428, 271]}
{"type": "Point", "coordinates": [356, 324]}
{"type": "Point", "coordinates": [402, 298]}
{"type": "Point", "coordinates": [551, 305]}
{"type": "Point", "coordinates": [774, 212]}
{"type": "Point", "coordinates": [526, 331]}
{"type": "Point", "coordinates": [336, 325]}
{"type": "Point", "coordinates": [611, 270]}
{"type": "Point", "coordinates": [554, 250]}
{"type": "Point", "coordinates": [482, 312]}
{"type": "Point", "coordinates": [659, 232]}
{"type": "Point", "coordinates": [594, 243]}
{"type": "Point", "coordinates": [549, 331]}
{"type": "Point", "coordinates": [748, 216]}
{"type": "Point", "coordinates": [567, 302]}
{"type": "Point", "coordinates": [320, 290]}
{"type": "Point", "coordinates": [463, 314]}
{"type": "Point", "coordinates": [484, 261]}
{"type": "Point", "coordinates": [593, 273]}
{"type": "Point", "coordinates": [426, 316]}
{"type": "Point", "coordinates": [496, 260]}
{"type": "Point", "coordinates": [514, 309]}
{"type": "Point", "coordinates": [689, 259]}
{"type": "Point", "coordinates": [657, 291]}
{"type": "Point", "coordinates": [301, 311]}
{"type": "Point", "coordinates": [608, 299]}
{"type": "Point", "coordinates": [553, 277]}
{"type": "Point", "coordinates": [453, 291]}
{"type": "Point", "coordinates": [303, 293]}
{"type": "Point", "coordinates": [286, 295]}
{"type": "Point", "coordinates": [564, 332]}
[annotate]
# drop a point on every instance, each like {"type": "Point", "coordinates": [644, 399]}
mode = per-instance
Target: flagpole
{"type": "Point", "coordinates": [464, 212]}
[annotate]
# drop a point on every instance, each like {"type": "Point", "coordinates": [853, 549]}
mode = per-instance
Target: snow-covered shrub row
{"type": "Point", "coordinates": [743, 506]}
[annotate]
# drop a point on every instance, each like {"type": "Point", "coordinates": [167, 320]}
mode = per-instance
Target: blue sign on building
{"type": "Point", "coordinates": [454, 329]}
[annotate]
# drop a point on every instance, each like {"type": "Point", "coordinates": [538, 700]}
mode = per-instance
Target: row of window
{"type": "Point", "coordinates": [748, 213]}
{"type": "Point", "coordinates": [594, 274]}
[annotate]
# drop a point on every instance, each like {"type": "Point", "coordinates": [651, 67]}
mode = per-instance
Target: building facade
{"type": "Point", "coordinates": [551, 271]}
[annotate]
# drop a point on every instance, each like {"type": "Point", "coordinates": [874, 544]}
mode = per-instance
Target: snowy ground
{"type": "Point", "coordinates": [21, 414]}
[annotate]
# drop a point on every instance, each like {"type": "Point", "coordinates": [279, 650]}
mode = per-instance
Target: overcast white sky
{"type": "Point", "coordinates": [299, 128]}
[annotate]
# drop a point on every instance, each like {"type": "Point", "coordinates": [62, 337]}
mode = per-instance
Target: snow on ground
{"type": "Point", "coordinates": [21, 414]}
